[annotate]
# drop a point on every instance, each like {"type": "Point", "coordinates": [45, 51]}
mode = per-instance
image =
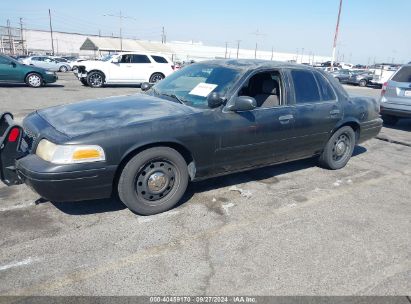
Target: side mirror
{"type": "Point", "coordinates": [243, 103]}
{"type": "Point", "coordinates": [215, 100]}
{"type": "Point", "coordinates": [116, 60]}
{"type": "Point", "coordinates": [145, 86]}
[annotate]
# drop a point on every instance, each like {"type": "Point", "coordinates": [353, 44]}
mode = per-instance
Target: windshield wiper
{"type": "Point", "coordinates": [175, 97]}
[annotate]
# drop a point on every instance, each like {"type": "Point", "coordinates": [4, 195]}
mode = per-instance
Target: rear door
{"type": "Point", "coordinates": [316, 112]}
{"type": "Point", "coordinates": [141, 68]}
{"type": "Point", "coordinates": [398, 91]}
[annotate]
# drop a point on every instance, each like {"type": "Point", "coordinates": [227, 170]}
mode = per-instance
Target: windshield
{"type": "Point", "coordinates": [107, 57]}
{"type": "Point", "coordinates": [192, 84]}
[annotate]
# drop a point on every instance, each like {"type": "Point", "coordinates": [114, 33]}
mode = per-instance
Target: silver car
{"type": "Point", "coordinates": [48, 63]}
{"type": "Point", "coordinates": [395, 102]}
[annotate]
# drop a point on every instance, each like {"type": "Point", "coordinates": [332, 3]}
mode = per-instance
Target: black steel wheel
{"type": "Point", "coordinates": [153, 181]}
{"type": "Point", "coordinates": [95, 79]}
{"type": "Point", "coordinates": [339, 148]}
{"type": "Point", "coordinates": [156, 77]}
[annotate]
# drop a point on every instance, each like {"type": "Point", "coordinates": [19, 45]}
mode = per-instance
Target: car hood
{"type": "Point", "coordinates": [92, 116]}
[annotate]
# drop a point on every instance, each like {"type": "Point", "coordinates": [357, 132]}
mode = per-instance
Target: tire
{"type": "Point", "coordinates": [363, 83]}
{"type": "Point", "coordinates": [34, 80]}
{"type": "Point", "coordinates": [84, 82]}
{"type": "Point", "coordinates": [389, 120]}
{"type": "Point", "coordinates": [75, 69]}
{"type": "Point", "coordinates": [63, 69]}
{"type": "Point", "coordinates": [156, 77]}
{"type": "Point", "coordinates": [153, 181]}
{"type": "Point", "coordinates": [339, 148]}
{"type": "Point", "coordinates": [95, 79]}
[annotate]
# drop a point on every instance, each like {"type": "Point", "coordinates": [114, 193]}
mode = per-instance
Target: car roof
{"type": "Point", "coordinates": [256, 64]}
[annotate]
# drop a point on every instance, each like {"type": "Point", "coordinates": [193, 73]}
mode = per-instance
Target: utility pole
{"type": "Point", "coordinates": [336, 34]}
{"type": "Point", "coordinates": [302, 55]}
{"type": "Point", "coordinates": [21, 35]}
{"type": "Point", "coordinates": [272, 53]}
{"type": "Point", "coordinates": [255, 51]}
{"type": "Point", "coordinates": [226, 46]}
{"type": "Point", "coordinates": [99, 33]}
{"type": "Point", "coordinates": [238, 47]}
{"type": "Point", "coordinates": [51, 34]}
{"type": "Point", "coordinates": [162, 36]}
{"type": "Point", "coordinates": [10, 37]}
{"type": "Point", "coordinates": [121, 17]}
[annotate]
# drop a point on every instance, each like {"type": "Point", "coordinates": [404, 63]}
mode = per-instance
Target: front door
{"type": "Point", "coordinates": [8, 70]}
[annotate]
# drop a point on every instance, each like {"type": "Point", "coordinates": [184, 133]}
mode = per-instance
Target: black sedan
{"type": "Point", "coordinates": [208, 119]}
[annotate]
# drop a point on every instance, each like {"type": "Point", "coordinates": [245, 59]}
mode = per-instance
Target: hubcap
{"type": "Point", "coordinates": [96, 80]}
{"type": "Point", "coordinates": [34, 80]}
{"type": "Point", "coordinates": [157, 78]}
{"type": "Point", "coordinates": [155, 180]}
{"type": "Point", "coordinates": [341, 147]}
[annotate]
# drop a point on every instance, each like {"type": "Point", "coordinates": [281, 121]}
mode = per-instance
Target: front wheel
{"type": "Point", "coordinates": [95, 79]}
{"type": "Point", "coordinates": [34, 80]}
{"type": "Point", "coordinates": [153, 181]}
{"type": "Point", "coordinates": [156, 77]}
{"type": "Point", "coordinates": [339, 148]}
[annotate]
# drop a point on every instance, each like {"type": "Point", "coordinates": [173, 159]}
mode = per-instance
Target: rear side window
{"type": "Point", "coordinates": [4, 60]}
{"type": "Point", "coordinates": [159, 59]}
{"type": "Point", "coordinates": [140, 59]}
{"type": "Point", "coordinates": [305, 86]}
{"type": "Point", "coordinates": [403, 74]}
{"type": "Point", "coordinates": [327, 92]}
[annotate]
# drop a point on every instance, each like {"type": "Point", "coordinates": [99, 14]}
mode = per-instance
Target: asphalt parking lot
{"type": "Point", "coordinates": [292, 229]}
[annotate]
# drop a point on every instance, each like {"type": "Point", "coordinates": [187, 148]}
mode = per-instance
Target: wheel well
{"type": "Point", "coordinates": [354, 125]}
{"type": "Point", "coordinates": [104, 75]}
{"type": "Point", "coordinates": [33, 72]}
{"type": "Point", "coordinates": [185, 153]}
{"type": "Point", "coordinates": [158, 73]}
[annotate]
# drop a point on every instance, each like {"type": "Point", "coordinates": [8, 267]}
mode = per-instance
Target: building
{"type": "Point", "coordinates": [30, 41]}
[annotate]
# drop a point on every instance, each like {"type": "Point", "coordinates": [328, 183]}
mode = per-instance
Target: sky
{"type": "Point", "coordinates": [370, 30]}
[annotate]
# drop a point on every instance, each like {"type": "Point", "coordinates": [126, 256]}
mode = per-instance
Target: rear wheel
{"type": "Point", "coordinates": [156, 77]}
{"type": "Point", "coordinates": [339, 148]}
{"type": "Point", "coordinates": [363, 83]}
{"type": "Point", "coordinates": [389, 120]}
{"type": "Point", "coordinates": [34, 80]}
{"type": "Point", "coordinates": [153, 181]}
{"type": "Point", "coordinates": [95, 79]}
{"type": "Point", "coordinates": [63, 69]}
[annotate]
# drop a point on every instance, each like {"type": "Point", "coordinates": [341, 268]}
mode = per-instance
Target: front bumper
{"type": "Point", "coordinates": [50, 78]}
{"type": "Point", "coordinates": [59, 183]}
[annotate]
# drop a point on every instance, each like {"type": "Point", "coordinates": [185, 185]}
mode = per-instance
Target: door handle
{"type": "Point", "coordinates": [285, 119]}
{"type": "Point", "coordinates": [334, 112]}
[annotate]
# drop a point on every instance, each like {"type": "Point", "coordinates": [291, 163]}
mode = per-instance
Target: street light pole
{"type": "Point", "coordinates": [336, 34]}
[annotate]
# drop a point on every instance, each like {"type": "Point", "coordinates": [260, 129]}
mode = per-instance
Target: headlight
{"type": "Point", "coordinates": [69, 154]}
{"type": "Point", "coordinates": [49, 72]}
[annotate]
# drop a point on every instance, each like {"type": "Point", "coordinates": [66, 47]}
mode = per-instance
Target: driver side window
{"type": "Point", "coordinates": [265, 88]}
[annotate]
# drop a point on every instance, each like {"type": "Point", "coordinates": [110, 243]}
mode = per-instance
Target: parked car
{"type": "Point", "coordinates": [361, 78]}
{"type": "Point", "coordinates": [124, 68]}
{"type": "Point", "coordinates": [395, 102]}
{"type": "Point", "coordinates": [12, 71]}
{"type": "Point", "coordinates": [47, 63]}
{"type": "Point", "coordinates": [74, 64]}
{"type": "Point", "coordinates": [331, 69]}
{"type": "Point", "coordinates": [207, 119]}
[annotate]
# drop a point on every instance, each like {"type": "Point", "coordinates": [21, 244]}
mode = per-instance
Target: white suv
{"type": "Point", "coordinates": [124, 68]}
